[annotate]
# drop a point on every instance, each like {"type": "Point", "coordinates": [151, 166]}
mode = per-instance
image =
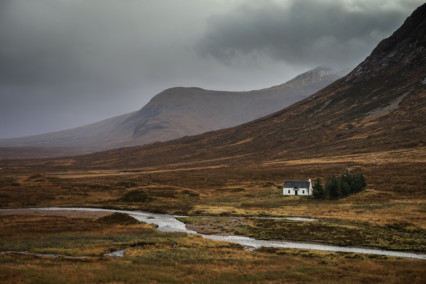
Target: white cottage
{"type": "Point", "coordinates": [297, 187]}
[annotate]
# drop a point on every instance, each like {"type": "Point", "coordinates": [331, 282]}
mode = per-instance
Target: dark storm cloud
{"type": "Point", "coordinates": [304, 32]}
{"type": "Point", "coordinates": [65, 63]}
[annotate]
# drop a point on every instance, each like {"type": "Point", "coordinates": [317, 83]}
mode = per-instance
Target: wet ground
{"type": "Point", "coordinates": [169, 223]}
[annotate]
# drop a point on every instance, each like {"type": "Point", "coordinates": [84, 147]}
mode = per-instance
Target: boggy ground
{"type": "Point", "coordinates": [330, 231]}
{"type": "Point", "coordinates": [395, 196]}
{"type": "Point", "coordinates": [159, 257]}
{"type": "Point", "coordinates": [389, 214]}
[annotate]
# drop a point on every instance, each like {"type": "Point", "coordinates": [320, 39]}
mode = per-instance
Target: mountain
{"type": "Point", "coordinates": [175, 113]}
{"type": "Point", "coordinates": [379, 106]}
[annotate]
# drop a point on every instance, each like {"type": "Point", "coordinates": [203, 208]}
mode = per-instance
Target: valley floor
{"type": "Point", "coordinates": [161, 257]}
{"type": "Point", "coordinates": [219, 198]}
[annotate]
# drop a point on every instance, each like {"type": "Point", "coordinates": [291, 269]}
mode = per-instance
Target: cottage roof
{"type": "Point", "coordinates": [296, 183]}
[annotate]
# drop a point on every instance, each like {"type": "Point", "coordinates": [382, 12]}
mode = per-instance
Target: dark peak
{"type": "Point", "coordinates": [405, 48]}
{"type": "Point", "coordinates": [411, 35]}
{"type": "Point", "coordinates": [412, 32]}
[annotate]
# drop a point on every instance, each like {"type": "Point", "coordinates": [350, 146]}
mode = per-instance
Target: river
{"type": "Point", "coordinates": [169, 223]}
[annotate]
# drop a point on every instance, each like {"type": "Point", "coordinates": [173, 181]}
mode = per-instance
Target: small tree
{"type": "Point", "coordinates": [318, 190]}
{"type": "Point", "coordinates": [358, 183]}
{"type": "Point", "coordinates": [332, 188]}
{"type": "Point", "coordinates": [345, 184]}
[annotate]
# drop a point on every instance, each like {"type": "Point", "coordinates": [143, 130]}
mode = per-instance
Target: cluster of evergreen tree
{"type": "Point", "coordinates": [336, 188]}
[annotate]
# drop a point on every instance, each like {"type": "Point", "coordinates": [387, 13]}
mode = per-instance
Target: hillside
{"type": "Point", "coordinates": [378, 106]}
{"type": "Point", "coordinates": [173, 113]}
{"type": "Point", "coordinates": [211, 208]}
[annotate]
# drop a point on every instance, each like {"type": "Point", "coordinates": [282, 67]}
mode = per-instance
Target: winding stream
{"type": "Point", "coordinates": [168, 223]}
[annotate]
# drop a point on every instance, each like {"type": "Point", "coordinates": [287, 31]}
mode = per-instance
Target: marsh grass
{"type": "Point", "coordinates": [159, 257]}
{"type": "Point", "coordinates": [341, 233]}
{"type": "Point", "coordinates": [389, 214]}
{"type": "Point", "coordinates": [395, 193]}
{"type": "Point", "coordinates": [213, 265]}
{"type": "Point", "coordinates": [70, 236]}
{"type": "Point", "coordinates": [397, 236]}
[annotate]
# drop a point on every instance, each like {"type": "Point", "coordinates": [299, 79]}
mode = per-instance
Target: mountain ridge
{"type": "Point", "coordinates": [178, 112]}
{"type": "Point", "coordinates": [376, 107]}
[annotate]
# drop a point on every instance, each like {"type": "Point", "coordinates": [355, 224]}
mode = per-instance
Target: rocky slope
{"type": "Point", "coordinates": [174, 113]}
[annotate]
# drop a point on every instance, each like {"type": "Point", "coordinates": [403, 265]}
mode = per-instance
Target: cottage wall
{"type": "Point", "coordinates": [298, 188]}
{"type": "Point", "coordinates": [300, 191]}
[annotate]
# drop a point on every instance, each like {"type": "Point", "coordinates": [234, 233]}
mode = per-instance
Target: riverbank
{"type": "Point", "coordinates": [319, 231]}
{"type": "Point", "coordinates": [169, 223]}
{"type": "Point", "coordinates": [155, 256]}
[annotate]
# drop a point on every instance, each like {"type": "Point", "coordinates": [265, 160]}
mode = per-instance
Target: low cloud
{"type": "Point", "coordinates": [65, 63]}
{"type": "Point", "coordinates": [307, 32]}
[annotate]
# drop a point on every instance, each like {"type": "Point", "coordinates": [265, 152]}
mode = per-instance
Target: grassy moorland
{"type": "Point", "coordinates": [154, 256]}
{"type": "Point", "coordinates": [331, 231]}
{"type": "Point", "coordinates": [371, 121]}
{"type": "Point", "coordinates": [395, 195]}
{"type": "Point", "coordinates": [390, 214]}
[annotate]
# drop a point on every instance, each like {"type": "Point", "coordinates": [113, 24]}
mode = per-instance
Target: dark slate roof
{"type": "Point", "coordinates": [296, 183]}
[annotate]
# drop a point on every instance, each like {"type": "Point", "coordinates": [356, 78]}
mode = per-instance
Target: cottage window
{"type": "Point", "coordinates": [289, 191]}
{"type": "Point", "coordinates": [303, 191]}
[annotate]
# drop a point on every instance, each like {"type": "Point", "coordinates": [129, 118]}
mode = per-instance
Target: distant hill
{"type": "Point", "coordinates": [380, 105]}
{"type": "Point", "coordinates": [173, 113]}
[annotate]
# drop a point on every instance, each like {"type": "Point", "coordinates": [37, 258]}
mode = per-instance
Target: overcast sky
{"type": "Point", "coordinates": [66, 63]}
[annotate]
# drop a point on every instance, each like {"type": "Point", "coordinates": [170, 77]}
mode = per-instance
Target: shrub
{"type": "Point", "coordinates": [135, 196]}
{"type": "Point", "coordinates": [118, 218]}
